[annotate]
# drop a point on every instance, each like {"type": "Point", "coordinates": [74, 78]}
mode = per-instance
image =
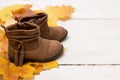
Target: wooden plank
{"type": "Point", "coordinates": [103, 9]}
{"type": "Point", "coordinates": [84, 8]}
{"type": "Point", "coordinates": [4, 3]}
{"type": "Point", "coordinates": [87, 8]}
{"type": "Point", "coordinates": [91, 42]}
{"type": "Point", "coordinates": [81, 73]}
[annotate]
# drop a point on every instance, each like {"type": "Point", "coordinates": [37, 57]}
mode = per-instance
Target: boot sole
{"type": "Point", "coordinates": [42, 60]}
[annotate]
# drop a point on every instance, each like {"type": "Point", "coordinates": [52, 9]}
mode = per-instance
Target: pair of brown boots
{"type": "Point", "coordinates": [32, 40]}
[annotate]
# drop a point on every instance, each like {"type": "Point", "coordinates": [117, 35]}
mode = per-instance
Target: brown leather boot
{"type": "Point", "coordinates": [25, 44]}
{"type": "Point", "coordinates": [53, 33]}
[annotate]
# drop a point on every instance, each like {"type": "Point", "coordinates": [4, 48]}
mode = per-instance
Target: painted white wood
{"type": "Point", "coordinates": [81, 73]}
{"type": "Point", "coordinates": [87, 8]}
{"type": "Point", "coordinates": [83, 8]}
{"type": "Point", "coordinates": [91, 42]}
{"type": "Point", "coordinates": [94, 38]}
{"type": "Point", "coordinates": [4, 3]}
{"type": "Point", "coordinates": [98, 9]}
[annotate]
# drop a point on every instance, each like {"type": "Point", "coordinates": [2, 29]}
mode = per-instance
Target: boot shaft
{"type": "Point", "coordinates": [39, 19]}
{"type": "Point", "coordinates": [23, 32]}
{"type": "Point", "coordinates": [22, 37]}
{"type": "Point", "coordinates": [52, 33]}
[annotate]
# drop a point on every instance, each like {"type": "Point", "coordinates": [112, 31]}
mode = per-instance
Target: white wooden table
{"type": "Point", "coordinates": [93, 44]}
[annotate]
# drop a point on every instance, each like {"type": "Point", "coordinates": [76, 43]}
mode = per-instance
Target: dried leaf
{"type": "Point", "coordinates": [1, 34]}
{"type": "Point", "coordinates": [38, 69]}
{"type": "Point", "coordinates": [59, 12]}
{"type": "Point", "coordinates": [38, 11]}
{"type": "Point", "coordinates": [5, 15]}
{"type": "Point", "coordinates": [13, 72]}
{"type": "Point", "coordinates": [49, 65]}
{"type": "Point", "coordinates": [3, 50]}
{"type": "Point", "coordinates": [26, 71]}
{"type": "Point", "coordinates": [4, 68]}
{"type": "Point", "coordinates": [27, 12]}
{"type": "Point", "coordinates": [7, 12]}
{"type": "Point", "coordinates": [3, 45]}
{"type": "Point", "coordinates": [27, 79]}
{"type": "Point", "coordinates": [52, 23]}
{"type": "Point", "coordinates": [17, 8]}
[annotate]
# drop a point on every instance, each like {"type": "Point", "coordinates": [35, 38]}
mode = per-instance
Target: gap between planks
{"type": "Point", "coordinates": [89, 64]}
{"type": "Point", "coordinates": [95, 18]}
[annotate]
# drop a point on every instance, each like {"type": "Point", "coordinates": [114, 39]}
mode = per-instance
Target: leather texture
{"type": "Point", "coordinates": [25, 43]}
{"type": "Point", "coordinates": [47, 32]}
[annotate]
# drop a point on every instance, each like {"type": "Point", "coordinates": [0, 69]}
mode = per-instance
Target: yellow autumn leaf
{"type": "Point", "coordinates": [3, 52]}
{"type": "Point", "coordinates": [37, 66]}
{"type": "Point", "coordinates": [3, 44]}
{"type": "Point", "coordinates": [45, 65]}
{"type": "Point", "coordinates": [49, 65]}
{"type": "Point", "coordinates": [52, 23]}
{"type": "Point", "coordinates": [16, 8]}
{"type": "Point", "coordinates": [26, 12]}
{"type": "Point", "coordinates": [38, 69]}
{"type": "Point", "coordinates": [1, 34]}
{"type": "Point", "coordinates": [5, 15]}
{"type": "Point", "coordinates": [26, 71]}
{"type": "Point", "coordinates": [59, 12]}
{"type": "Point", "coordinates": [13, 72]}
{"type": "Point", "coordinates": [27, 78]}
{"type": "Point", "coordinates": [38, 11]}
{"type": "Point", "coordinates": [4, 68]}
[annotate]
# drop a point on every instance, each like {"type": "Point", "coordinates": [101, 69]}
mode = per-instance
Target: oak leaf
{"type": "Point", "coordinates": [13, 75]}
{"type": "Point", "coordinates": [26, 71]}
{"type": "Point", "coordinates": [5, 15]}
{"type": "Point", "coordinates": [38, 67]}
{"type": "Point", "coordinates": [16, 8]}
{"type": "Point", "coordinates": [59, 12]}
{"type": "Point", "coordinates": [52, 23]}
{"type": "Point", "coordinates": [4, 68]}
{"type": "Point", "coordinates": [1, 34]}
{"type": "Point", "coordinates": [49, 65]}
{"type": "Point", "coordinates": [27, 12]}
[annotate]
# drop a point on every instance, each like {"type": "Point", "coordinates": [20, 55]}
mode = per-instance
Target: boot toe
{"type": "Point", "coordinates": [58, 33]}
{"type": "Point", "coordinates": [55, 50]}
